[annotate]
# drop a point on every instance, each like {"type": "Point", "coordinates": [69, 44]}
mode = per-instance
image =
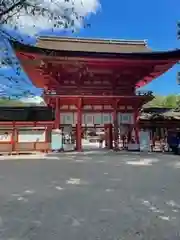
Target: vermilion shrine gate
{"type": "Point", "coordinates": [94, 82]}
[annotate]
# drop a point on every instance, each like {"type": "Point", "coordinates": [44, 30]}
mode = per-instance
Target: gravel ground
{"type": "Point", "coordinates": [90, 196]}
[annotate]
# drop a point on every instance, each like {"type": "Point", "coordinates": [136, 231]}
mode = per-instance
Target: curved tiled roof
{"type": "Point", "coordinates": [154, 55]}
{"type": "Point", "coordinates": [150, 64]}
{"type": "Point", "coordinates": [171, 114]}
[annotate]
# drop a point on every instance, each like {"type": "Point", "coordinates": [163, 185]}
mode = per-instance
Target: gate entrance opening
{"type": "Point", "coordinates": [93, 137]}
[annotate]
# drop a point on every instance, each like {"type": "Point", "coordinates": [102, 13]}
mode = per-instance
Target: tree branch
{"type": "Point", "coordinates": [10, 16]}
{"type": "Point", "coordinates": [11, 8]}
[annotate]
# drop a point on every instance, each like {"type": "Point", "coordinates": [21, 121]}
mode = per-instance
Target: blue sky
{"type": "Point", "coordinates": [153, 20]}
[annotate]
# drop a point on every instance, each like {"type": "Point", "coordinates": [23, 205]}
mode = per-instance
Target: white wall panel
{"type": "Point", "coordinates": [98, 118]}
{"type": "Point", "coordinates": [67, 118]}
{"type": "Point", "coordinates": [125, 118]}
{"type": "Point", "coordinates": [106, 118]}
{"type": "Point", "coordinates": [75, 118]}
{"type": "Point", "coordinates": [88, 119]}
{"type": "Point", "coordinates": [31, 136]}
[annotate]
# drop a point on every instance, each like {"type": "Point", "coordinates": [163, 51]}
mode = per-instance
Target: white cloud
{"type": "Point", "coordinates": [3, 87]}
{"type": "Point", "coordinates": [33, 24]}
{"type": "Point", "coordinates": [3, 66]}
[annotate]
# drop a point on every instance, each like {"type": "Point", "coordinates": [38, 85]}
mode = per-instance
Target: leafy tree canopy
{"type": "Point", "coordinates": [13, 103]}
{"type": "Point", "coordinates": [23, 19]}
{"type": "Point", "coordinates": [36, 101]}
{"type": "Point", "coordinates": [33, 16]}
{"type": "Point", "coordinates": [170, 101]}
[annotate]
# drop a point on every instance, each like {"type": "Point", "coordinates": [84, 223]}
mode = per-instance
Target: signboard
{"type": "Point", "coordinates": [56, 140]}
{"type": "Point", "coordinates": [5, 136]}
{"type": "Point", "coordinates": [145, 143]}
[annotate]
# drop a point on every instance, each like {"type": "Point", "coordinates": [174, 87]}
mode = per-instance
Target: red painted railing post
{"type": "Point", "coordinates": [115, 123]}
{"type": "Point", "coordinates": [57, 113]}
{"type": "Point", "coordinates": [79, 126]}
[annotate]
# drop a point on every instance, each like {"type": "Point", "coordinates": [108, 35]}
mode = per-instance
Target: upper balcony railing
{"type": "Point", "coordinates": [137, 93]}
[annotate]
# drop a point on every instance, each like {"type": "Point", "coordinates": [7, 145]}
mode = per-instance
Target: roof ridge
{"type": "Point", "coordinates": [99, 40]}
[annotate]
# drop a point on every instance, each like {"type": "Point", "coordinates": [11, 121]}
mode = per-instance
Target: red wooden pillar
{"type": "Point", "coordinates": [136, 127]}
{"type": "Point", "coordinates": [13, 138]}
{"type": "Point", "coordinates": [79, 125]}
{"type": "Point", "coordinates": [115, 123]}
{"type": "Point", "coordinates": [57, 114]}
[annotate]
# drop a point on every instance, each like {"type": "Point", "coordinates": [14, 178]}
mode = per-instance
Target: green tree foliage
{"type": "Point", "coordinates": [170, 101]}
{"type": "Point", "coordinates": [178, 102]}
{"type": "Point", "coordinates": [13, 103]}
{"type": "Point", "coordinates": [156, 102]}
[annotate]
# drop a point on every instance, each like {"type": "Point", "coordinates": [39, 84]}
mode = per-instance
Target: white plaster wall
{"type": "Point", "coordinates": [31, 136]}
{"type": "Point", "coordinates": [125, 118]}
{"type": "Point", "coordinates": [88, 119]}
{"type": "Point", "coordinates": [69, 118]}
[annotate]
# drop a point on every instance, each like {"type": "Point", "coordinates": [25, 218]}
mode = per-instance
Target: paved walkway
{"type": "Point", "coordinates": [91, 195]}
